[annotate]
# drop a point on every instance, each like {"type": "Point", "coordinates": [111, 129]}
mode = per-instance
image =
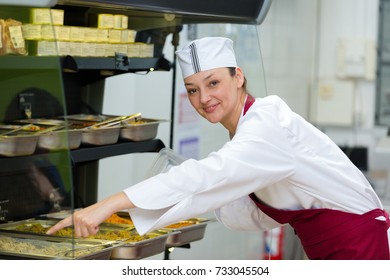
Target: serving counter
{"type": "Point", "coordinates": [47, 70]}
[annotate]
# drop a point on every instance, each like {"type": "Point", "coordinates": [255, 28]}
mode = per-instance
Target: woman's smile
{"type": "Point", "coordinates": [210, 108]}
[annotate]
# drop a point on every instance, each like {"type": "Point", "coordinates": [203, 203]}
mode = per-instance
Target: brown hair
{"type": "Point", "coordinates": [232, 72]}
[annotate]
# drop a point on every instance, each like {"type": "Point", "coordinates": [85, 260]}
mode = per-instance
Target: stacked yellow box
{"type": "Point", "coordinates": [47, 35]}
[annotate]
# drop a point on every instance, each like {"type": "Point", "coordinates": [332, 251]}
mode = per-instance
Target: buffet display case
{"type": "Point", "coordinates": [46, 69]}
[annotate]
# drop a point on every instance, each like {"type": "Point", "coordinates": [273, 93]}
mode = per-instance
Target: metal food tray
{"type": "Point", "coordinates": [49, 222]}
{"type": "Point", "coordinates": [54, 136]}
{"type": "Point", "coordinates": [147, 130]}
{"type": "Point", "coordinates": [142, 249]}
{"type": "Point", "coordinates": [100, 136]}
{"type": "Point", "coordinates": [123, 250]}
{"type": "Point", "coordinates": [87, 117]}
{"type": "Point", "coordinates": [93, 134]}
{"type": "Point", "coordinates": [187, 234]}
{"type": "Point", "coordinates": [12, 226]}
{"type": "Point", "coordinates": [60, 140]}
{"type": "Point", "coordinates": [18, 145]}
{"type": "Point", "coordinates": [53, 247]}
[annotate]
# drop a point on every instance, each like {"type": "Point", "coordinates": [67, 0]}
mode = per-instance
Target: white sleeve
{"type": "Point", "coordinates": [258, 156]}
{"type": "Point", "coordinates": [243, 214]}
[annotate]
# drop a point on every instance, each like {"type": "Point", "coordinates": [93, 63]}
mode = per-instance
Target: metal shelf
{"type": "Point", "coordinates": [82, 154]}
{"type": "Point", "coordinates": [69, 63]}
{"type": "Point", "coordinates": [118, 63]}
{"type": "Point", "coordinates": [92, 153]}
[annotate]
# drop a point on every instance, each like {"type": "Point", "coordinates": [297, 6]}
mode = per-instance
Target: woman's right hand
{"type": "Point", "coordinates": [86, 221]}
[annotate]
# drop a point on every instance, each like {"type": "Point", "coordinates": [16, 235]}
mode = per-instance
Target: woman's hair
{"type": "Point", "coordinates": [232, 72]}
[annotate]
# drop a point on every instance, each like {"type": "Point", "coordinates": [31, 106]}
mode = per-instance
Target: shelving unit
{"type": "Point", "coordinates": [90, 153]}
{"type": "Point", "coordinates": [98, 152]}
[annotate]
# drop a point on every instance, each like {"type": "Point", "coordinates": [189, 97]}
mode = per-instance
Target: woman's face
{"type": "Point", "coordinates": [216, 95]}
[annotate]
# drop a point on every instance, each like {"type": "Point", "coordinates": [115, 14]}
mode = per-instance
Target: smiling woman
{"type": "Point", "coordinates": [276, 169]}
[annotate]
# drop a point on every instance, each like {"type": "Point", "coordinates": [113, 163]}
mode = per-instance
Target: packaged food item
{"type": "Point", "coordinates": [77, 34]}
{"type": "Point", "coordinates": [48, 32]}
{"type": "Point", "coordinates": [120, 48]}
{"type": "Point", "coordinates": [62, 33]}
{"type": "Point", "coordinates": [105, 21]}
{"type": "Point", "coordinates": [114, 36]}
{"type": "Point", "coordinates": [57, 16]}
{"type": "Point", "coordinates": [128, 36]}
{"type": "Point", "coordinates": [32, 31]}
{"type": "Point", "coordinates": [90, 34]}
{"type": "Point", "coordinates": [100, 49]}
{"type": "Point", "coordinates": [146, 50]}
{"type": "Point", "coordinates": [133, 50]}
{"type": "Point", "coordinates": [120, 21]}
{"type": "Point", "coordinates": [42, 48]}
{"type": "Point", "coordinates": [40, 16]}
{"type": "Point", "coordinates": [47, 16]}
{"type": "Point", "coordinates": [11, 37]}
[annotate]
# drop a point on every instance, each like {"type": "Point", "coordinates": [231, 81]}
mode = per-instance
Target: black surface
{"type": "Point", "coordinates": [98, 152]}
{"type": "Point", "coordinates": [243, 11]}
{"type": "Point", "coordinates": [84, 153]}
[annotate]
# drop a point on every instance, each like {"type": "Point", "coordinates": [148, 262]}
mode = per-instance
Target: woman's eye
{"type": "Point", "coordinates": [191, 91]}
{"type": "Point", "coordinates": [213, 83]}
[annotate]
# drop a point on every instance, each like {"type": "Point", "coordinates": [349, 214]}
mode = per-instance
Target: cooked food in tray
{"type": "Point", "coordinates": [24, 137]}
{"type": "Point", "coordinates": [106, 233]}
{"type": "Point", "coordinates": [49, 247]}
{"type": "Point", "coordinates": [116, 219]}
{"type": "Point", "coordinates": [190, 230]}
{"type": "Point", "coordinates": [130, 245]}
{"type": "Point", "coordinates": [50, 134]}
{"type": "Point", "coordinates": [140, 129]}
{"type": "Point", "coordinates": [99, 129]}
{"type": "Point", "coordinates": [186, 231]}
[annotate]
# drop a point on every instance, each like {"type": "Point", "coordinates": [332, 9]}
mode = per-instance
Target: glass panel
{"type": "Point", "coordinates": [383, 73]}
{"type": "Point", "coordinates": [247, 48]}
{"type": "Point", "coordinates": [35, 165]}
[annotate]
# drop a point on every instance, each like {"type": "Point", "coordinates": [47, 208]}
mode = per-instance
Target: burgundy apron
{"type": "Point", "coordinates": [331, 234]}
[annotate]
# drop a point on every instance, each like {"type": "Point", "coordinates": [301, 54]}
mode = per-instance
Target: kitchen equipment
{"type": "Point", "coordinates": [188, 231]}
{"type": "Point", "coordinates": [53, 134]}
{"type": "Point", "coordinates": [99, 129]}
{"type": "Point", "coordinates": [140, 129]}
{"type": "Point", "coordinates": [155, 244]}
{"type": "Point", "coordinates": [27, 246]}
{"type": "Point", "coordinates": [129, 244]}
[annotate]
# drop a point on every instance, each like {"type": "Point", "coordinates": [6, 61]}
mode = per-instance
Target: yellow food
{"type": "Point", "coordinates": [115, 219]}
{"type": "Point", "coordinates": [180, 224]}
{"type": "Point", "coordinates": [125, 234]}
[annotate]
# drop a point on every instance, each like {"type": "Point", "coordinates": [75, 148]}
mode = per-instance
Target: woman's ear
{"type": "Point", "coordinates": [240, 77]}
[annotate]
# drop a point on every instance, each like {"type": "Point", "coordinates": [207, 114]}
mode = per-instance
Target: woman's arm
{"type": "Point", "coordinates": [86, 221]}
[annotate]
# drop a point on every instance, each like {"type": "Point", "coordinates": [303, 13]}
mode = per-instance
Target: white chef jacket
{"type": "Point", "coordinates": [275, 153]}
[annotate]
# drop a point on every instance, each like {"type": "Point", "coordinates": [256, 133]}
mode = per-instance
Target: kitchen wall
{"type": "Point", "coordinates": [300, 48]}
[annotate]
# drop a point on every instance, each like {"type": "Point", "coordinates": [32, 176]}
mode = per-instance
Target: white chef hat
{"type": "Point", "coordinates": [205, 54]}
